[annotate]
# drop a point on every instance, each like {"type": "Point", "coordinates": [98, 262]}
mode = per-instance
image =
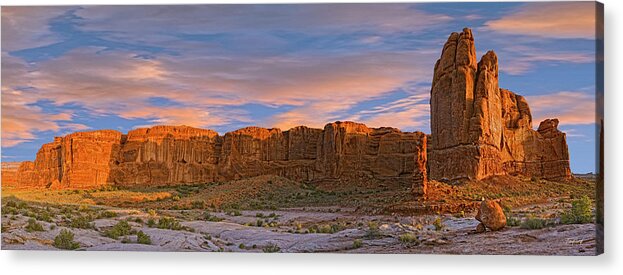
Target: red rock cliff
{"type": "Point", "coordinates": [167, 155]}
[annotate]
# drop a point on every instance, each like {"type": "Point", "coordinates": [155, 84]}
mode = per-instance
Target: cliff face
{"type": "Point", "coordinates": [167, 155]}
{"type": "Point", "coordinates": [480, 130]}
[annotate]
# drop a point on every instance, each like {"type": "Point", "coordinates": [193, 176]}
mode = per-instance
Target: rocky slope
{"type": "Point", "coordinates": [480, 130]}
{"type": "Point", "coordinates": [166, 155]}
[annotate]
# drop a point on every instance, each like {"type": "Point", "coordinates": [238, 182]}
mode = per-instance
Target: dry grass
{"type": "Point", "coordinates": [86, 197]}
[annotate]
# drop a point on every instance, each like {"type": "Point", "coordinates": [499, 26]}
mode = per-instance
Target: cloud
{"type": "Point", "coordinates": [549, 20]}
{"type": "Point", "coordinates": [525, 58]}
{"type": "Point", "coordinates": [21, 122]}
{"type": "Point", "coordinates": [209, 19]}
{"type": "Point", "coordinates": [408, 114]}
{"type": "Point", "coordinates": [570, 107]}
{"type": "Point", "coordinates": [27, 27]}
{"type": "Point", "coordinates": [207, 91]}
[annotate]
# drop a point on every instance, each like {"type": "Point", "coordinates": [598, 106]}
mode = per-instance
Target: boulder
{"type": "Point", "coordinates": [491, 215]}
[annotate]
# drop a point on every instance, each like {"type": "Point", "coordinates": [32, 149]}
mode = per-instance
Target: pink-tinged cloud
{"type": "Point", "coordinates": [549, 20]}
{"type": "Point", "coordinates": [27, 27]}
{"type": "Point", "coordinates": [20, 122]}
{"type": "Point", "coordinates": [209, 90]}
{"type": "Point", "coordinates": [570, 107]}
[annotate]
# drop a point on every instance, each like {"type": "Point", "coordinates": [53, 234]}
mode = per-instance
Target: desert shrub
{"type": "Point", "coordinates": [259, 215]}
{"type": "Point", "coordinates": [233, 212]}
{"type": "Point", "coordinates": [373, 231]}
{"type": "Point", "coordinates": [357, 243]}
{"type": "Point", "coordinates": [138, 220]}
{"type": "Point", "coordinates": [107, 215]}
{"type": "Point", "coordinates": [33, 225]}
{"type": "Point", "coordinates": [198, 204]}
{"type": "Point", "coordinates": [151, 223]}
{"type": "Point", "coordinates": [9, 210]}
{"type": "Point", "coordinates": [169, 223]}
{"type": "Point", "coordinates": [143, 238]}
{"type": "Point", "coordinates": [122, 228]}
{"type": "Point", "coordinates": [533, 223]}
{"type": "Point", "coordinates": [259, 223]}
{"type": "Point", "coordinates": [438, 224]}
{"type": "Point", "coordinates": [409, 239]}
{"type": "Point", "coordinates": [242, 246]}
{"type": "Point", "coordinates": [152, 212]}
{"type": "Point", "coordinates": [326, 228]}
{"type": "Point", "coordinates": [81, 222]}
{"type": "Point", "coordinates": [512, 221]}
{"type": "Point", "coordinates": [65, 240]}
{"type": "Point", "coordinates": [271, 248]}
{"type": "Point", "coordinates": [44, 215]}
{"type": "Point", "coordinates": [580, 211]}
{"type": "Point", "coordinates": [207, 216]}
{"type": "Point", "coordinates": [10, 203]}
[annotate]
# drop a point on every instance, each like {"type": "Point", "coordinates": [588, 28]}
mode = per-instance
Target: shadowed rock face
{"type": "Point", "coordinates": [167, 155]}
{"type": "Point", "coordinates": [480, 130]}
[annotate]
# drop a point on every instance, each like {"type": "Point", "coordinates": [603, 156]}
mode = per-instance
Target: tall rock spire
{"type": "Point", "coordinates": [479, 130]}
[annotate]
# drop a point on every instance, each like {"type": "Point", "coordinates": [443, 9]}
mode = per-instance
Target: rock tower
{"type": "Point", "coordinates": [479, 130]}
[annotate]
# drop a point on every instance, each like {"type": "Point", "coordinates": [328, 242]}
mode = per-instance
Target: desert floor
{"type": "Point", "coordinates": [248, 216]}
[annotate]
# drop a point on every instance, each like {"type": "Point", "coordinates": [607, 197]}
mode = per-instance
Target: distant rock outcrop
{"type": "Point", "coordinates": [168, 155]}
{"type": "Point", "coordinates": [480, 130]}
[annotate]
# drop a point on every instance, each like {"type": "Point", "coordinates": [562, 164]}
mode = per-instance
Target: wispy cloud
{"type": "Point", "coordinates": [526, 59]}
{"type": "Point", "coordinates": [27, 27]}
{"type": "Point", "coordinates": [570, 107]}
{"type": "Point", "coordinates": [549, 20]}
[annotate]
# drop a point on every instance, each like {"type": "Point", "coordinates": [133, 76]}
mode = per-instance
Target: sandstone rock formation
{"type": "Point", "coordinates": [9, 173]}
{"type": "Point", "coordinates": [479, 130]}
{"type": "Point", "coordinates": [491, 216]}
{"type": "Point", "coordinates": [167, 155]}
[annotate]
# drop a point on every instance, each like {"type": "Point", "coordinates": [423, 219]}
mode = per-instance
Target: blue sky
{"type": "Point", "coordinates": [224, 67]}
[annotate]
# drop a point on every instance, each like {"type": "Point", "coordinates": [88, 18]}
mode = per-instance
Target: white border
{"type": "Point", "coordinates": [112, 263]}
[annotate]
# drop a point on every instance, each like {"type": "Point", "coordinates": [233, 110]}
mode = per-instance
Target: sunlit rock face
{"type": "Point", "coordinates": [169, 155]}
{"type": "Point", "coordinates": [479, 130]}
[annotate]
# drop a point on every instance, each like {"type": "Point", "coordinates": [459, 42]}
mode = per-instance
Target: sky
{"type": "Point", "coordinates": [224, 67]}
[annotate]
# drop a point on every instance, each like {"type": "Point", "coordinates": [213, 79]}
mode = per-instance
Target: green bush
{"type": "Point", "coordinates": [357, 243]}
{"type": "Point", "coordinates": [512, 221]}
{"type": "Point", "coordinates": [409, 239]}
{"type": "Point", "coordinates": [373, 231]}
{"type": "Point", "coordinates": [81, 222]}
{"type": "Point", "coordinates": [207, 216]}
{"type": "Point", "coordinates": [169, 223]}
{"type": "Point", "coordinates": [44, 216]}
{"type": "Point", "coordinates": [271, 248]}
{"type": "Point", "coordinates": [580, 212]}
{"type": "Point", "coordinates": [143, 238]}
{"type": "Point", "coordinates": [65, 240]}
{"type": "Point", "coordinates": [122, 228]}
{"type": "Point", "coordinates": [33, 225]}
{"type": "Point", "coordinates": [107, 215]}
{"type": "Point", "coordinates": [438, 224]}
{"type": "Point", "coordinates": [533, 223]}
